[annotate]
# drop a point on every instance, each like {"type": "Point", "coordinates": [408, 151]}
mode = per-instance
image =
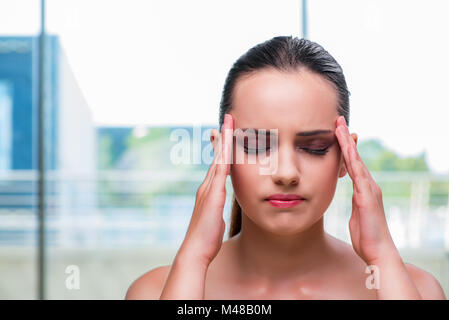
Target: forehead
{"type": "Point", "coordinates": [299, 100]}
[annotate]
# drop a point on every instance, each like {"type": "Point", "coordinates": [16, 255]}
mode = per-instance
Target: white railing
{"type": "Point", "coordinates": [138, 208]}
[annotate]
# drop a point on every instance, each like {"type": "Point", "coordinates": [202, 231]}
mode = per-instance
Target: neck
{"type": "Point", "coordinates": [268, 257]}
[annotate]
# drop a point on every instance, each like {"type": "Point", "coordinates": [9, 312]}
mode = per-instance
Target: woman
{"type": "Point", "coordinates": [278, 248]}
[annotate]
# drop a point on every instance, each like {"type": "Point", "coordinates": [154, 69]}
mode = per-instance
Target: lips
{"type": "Point", "coordinates": [285, 197]}
{"type": "Point", "coordinates": [285, 200]}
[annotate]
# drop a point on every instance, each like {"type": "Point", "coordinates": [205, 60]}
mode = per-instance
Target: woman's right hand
{"type": "Point", "coordinates": [204, 235]}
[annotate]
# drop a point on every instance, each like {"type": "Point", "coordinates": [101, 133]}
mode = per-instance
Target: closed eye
{"type": "Point", "coordinates": [253, 151]}
{"type": "Point", "coordinates": [311, 151]}
{"type": "Point", "coordinates": [316, 151]}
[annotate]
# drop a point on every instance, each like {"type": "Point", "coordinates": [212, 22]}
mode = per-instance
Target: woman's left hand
{"type": "Point", "coordinates": [368, 227]}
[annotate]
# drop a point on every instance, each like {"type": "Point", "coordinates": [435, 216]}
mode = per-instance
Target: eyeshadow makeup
{"type": "Point", "coordinates": [315, 142]}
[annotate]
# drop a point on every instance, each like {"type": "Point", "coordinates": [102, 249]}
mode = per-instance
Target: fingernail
{"type": "Point", "coordinates": [227, 117]}
{"type": "Point", "coordinates": [344, 121]}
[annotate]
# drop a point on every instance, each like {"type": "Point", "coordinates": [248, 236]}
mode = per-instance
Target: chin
{"type": "Point", "coordinates": [287, 227]}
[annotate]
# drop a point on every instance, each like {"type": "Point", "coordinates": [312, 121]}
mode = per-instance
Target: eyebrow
{"type": "Point", "coordinates": [299, 134]}
{"type": "Point", "coordinates": [313, 132]}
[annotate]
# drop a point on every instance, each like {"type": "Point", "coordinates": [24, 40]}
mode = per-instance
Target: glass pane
{"type": "Point", "coordinates": [18, 104]}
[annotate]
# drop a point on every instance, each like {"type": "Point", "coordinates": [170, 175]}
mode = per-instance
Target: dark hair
{"type": "Point", "coordinates": [283, 53]}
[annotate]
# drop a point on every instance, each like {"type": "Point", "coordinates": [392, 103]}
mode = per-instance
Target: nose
{"type": "Point", "coordinates": [287, 172]}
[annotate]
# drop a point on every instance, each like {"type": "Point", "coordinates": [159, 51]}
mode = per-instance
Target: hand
{"type": "Point", "coordinates": [205, 232]}
{"type": "Point", "coordinates": [368, 227]}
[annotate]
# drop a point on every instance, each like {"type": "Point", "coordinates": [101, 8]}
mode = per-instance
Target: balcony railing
{"type": "Point", "coordinates": [153, 208]}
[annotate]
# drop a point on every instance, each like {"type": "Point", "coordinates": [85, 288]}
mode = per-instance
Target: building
{"type": "Point", "coordinates": [70, 140]}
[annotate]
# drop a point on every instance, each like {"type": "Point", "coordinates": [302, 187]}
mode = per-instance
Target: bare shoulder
{"type": "Point", "coordinates": [148, 286]}
{"type": "Point", "coordinates": [428, 286]}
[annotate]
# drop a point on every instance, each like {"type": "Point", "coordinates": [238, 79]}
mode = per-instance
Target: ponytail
{"type": "Point", "coordinates": [236, 218]}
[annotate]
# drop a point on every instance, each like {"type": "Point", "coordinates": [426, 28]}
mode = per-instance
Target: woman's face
{"type": "Point", "coordinates": [291, 102]}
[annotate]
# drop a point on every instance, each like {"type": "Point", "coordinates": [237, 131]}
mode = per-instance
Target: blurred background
{"type": "Point", "coordinates": [92, 93]}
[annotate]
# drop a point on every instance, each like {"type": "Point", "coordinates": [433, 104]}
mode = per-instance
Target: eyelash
{"type": "Point", "coordinates": [317, 152]}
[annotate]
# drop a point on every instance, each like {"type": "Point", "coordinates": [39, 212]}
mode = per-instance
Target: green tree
{"type": "Point", "coordinates": [378, 158]}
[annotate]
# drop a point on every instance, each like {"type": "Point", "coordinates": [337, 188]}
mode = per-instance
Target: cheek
{"type": "Point", "coordinates": [322, 175]}
{"type": "Point", "coordinates": [244, 179]}
{"type": "Point", "coordinates": [240, 176]}
{"type": "Point", "coordinates": [326, 166]}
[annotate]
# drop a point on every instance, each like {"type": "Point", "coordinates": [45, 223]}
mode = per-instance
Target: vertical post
{"type": "Point", "coordinates": [419, 202]}
{"type": "Point", "coordinates": [446, 228]}
{"type": "Point", "coordinates": [304, 20]}
{"type": "Point", "coordinates": [41, 158]}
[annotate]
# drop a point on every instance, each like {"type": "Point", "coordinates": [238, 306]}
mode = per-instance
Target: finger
{"type": "Point", "coordinates": [357, 159]}
{"type": "Point", "coordinates": [224, 163]}
{"type": "Point", "coordinates": [211, 172]}
{"type": "Point", "coordinates": [340, 132]}
{"type": "Point", "coordinates": [363, 179]}
{"type": "Point", "coordinates": [218, 156]}
{"type": "Point", "coordinates": [356, 168]}
{"type": "Point", "coordinates": [228, 143]}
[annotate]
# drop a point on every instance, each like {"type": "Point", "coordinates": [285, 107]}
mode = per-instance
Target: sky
{"type": "Point", "coordinates": [164, 62]}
